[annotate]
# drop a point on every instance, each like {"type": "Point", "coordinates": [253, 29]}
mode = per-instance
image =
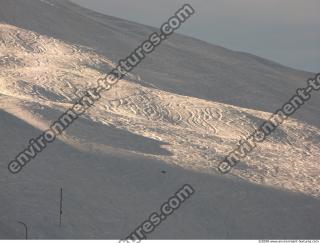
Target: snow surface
{"type": "Point", "coordinates": [181, 111]}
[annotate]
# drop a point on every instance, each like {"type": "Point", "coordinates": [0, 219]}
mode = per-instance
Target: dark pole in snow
{"type": "Point", "coordinates": [26, 227]}
{"type": "Point", "coordinates": [60, 206]}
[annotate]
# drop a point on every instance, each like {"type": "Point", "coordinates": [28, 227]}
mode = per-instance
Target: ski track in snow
{"type": "Point", "coordinates": [41, 70]}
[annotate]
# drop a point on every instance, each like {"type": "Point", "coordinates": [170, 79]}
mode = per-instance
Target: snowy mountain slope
{"type": "Point", "coordinates": [181, 112]}
{"type": "Point", "coordinates": [205, 71]}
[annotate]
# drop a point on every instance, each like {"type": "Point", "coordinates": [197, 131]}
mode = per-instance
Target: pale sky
{"type": "Point", "coordinates": [285, 31]}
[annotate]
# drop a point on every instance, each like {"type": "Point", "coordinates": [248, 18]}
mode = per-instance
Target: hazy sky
{"type": "Point", "coordinates": [286, 31]}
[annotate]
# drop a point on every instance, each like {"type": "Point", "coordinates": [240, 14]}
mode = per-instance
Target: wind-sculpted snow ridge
{"type": "Point", "coordinates": [41, 75]}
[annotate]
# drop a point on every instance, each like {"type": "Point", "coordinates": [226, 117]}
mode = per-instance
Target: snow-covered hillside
{"type": "Point", "coordinates": [168, 123]}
